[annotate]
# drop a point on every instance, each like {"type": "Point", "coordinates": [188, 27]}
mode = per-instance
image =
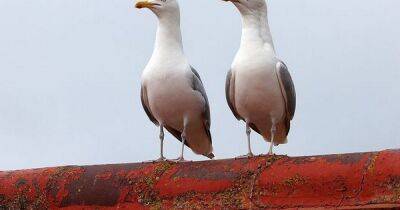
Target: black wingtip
{"type": "Point", "coordinates": [211, 156]}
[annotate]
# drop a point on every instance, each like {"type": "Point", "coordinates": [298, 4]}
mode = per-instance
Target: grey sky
{"type": "Point", "coordinates": [70, 73]}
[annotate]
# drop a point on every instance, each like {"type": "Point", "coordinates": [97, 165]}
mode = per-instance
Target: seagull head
{"type": "Point", "coordinates": [159, 7]}
{"type": "Point", "coordinates": [250, 7]}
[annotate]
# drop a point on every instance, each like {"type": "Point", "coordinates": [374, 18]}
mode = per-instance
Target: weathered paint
{"type": "Point", "coordinates": [359, 180]}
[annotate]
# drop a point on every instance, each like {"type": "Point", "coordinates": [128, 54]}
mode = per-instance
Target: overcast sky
{"type": "Point", "coordinates": [70, 78]}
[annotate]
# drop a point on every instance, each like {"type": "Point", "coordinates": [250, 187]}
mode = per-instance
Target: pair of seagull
{"type": "Point", "coordinates": [259, 88]}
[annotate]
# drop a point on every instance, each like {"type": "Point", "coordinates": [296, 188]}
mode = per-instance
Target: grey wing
{"type": "Point", "coordinates": [230, 93]}
{"type": "Point", "coordinates": [197, 85]}
{"type": "Point", "coordinates": [145, 104]}
{"type": "Point", "coordinates": [287, 88]}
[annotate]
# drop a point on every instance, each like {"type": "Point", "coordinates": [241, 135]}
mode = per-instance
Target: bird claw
{"type": "Point", "coordinates": [179, 160]}
{"type": "Point", "coordinates": [161, 159]}
{"type": "Point", "coordinates": [249, 155]}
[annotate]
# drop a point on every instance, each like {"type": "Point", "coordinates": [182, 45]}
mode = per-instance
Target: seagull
{"type": "Point", "coordinates": [172, 92]}
{"type": "Point", "coordinates": [259, 89]}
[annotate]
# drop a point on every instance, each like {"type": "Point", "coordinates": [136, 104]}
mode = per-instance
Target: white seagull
{"type": "Point", "coordinates": [259, 88]}
{"type": "Point", "coordinates": [172, 92]}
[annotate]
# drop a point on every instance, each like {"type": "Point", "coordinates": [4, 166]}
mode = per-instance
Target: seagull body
{"type": "Point", "coordinates": [172, 92]}
{"type": "Point", "coordinates": [259, 89]}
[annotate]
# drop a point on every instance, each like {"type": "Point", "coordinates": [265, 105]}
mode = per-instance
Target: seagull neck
{"type": "Point", "coordinates": [255, 31]}
{"type": "Point", "coordinates": [168, 38]}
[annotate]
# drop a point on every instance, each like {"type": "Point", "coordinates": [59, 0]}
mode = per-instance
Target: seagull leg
{"type": "Point", "coordinates": [249, 152]}
{"type": "Point", "coordinates": [273, 131]}
{"type": "Point", "coordinates": [248, 131]}
{"type": "Point", "coordinates": [162, 158]}
{"type": "Point", "coordinates": [183, 137]}
{"type": "Point", "coordinates": [181, 159]}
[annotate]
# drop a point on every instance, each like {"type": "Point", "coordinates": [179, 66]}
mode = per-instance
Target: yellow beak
{"type": "Point", "coordinates": [144, 4]}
